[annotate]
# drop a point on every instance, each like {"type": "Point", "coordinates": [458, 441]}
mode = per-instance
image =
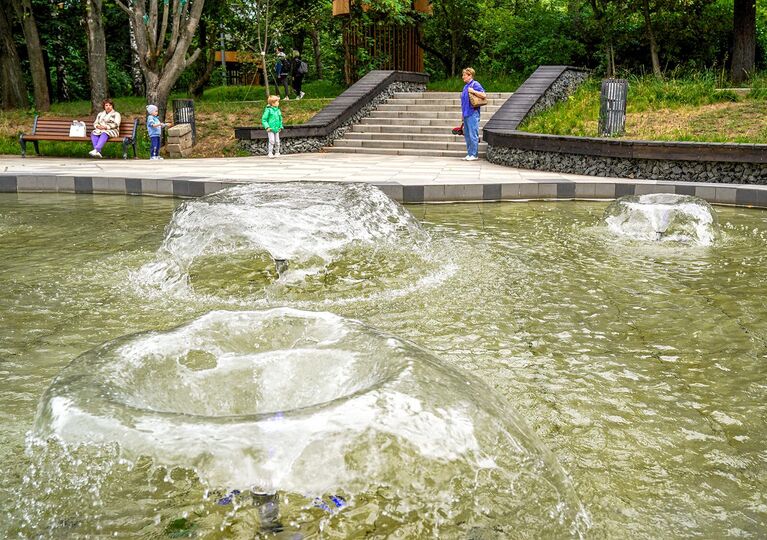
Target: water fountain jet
{"type": "Point", "coordinates": [308, 403]}
{"type": "Point", "coordinates": [663, 217]}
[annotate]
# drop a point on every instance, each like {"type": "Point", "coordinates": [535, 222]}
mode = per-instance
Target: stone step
{"type": "Point", "coordinates": [392, 107]}
{"type": "Point", "coordinates": [447, 95]}
{"type": "Point", "coordinates": [418, 115]}
{"type": "Point", "coordinates": [415, 145]}
{"type": "Point", "coordinates": [398, 129]}
{"type": "Point", "coordinates": [437, 102]}
{"type": "Point", "coordinates": [400, 152]}
{"type": "Point", "coordinates": [448, 123]}
{"type": "Point", "coordinates": [406, 136]}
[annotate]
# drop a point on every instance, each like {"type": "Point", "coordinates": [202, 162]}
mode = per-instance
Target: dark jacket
{"type": "Point", "coordinates": [294, 67]}
{"type": "Point", "coordinates": [282, 67]}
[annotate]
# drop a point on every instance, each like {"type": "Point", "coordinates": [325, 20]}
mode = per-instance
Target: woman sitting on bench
{"type": "Point", "coordinates": [107, 124]}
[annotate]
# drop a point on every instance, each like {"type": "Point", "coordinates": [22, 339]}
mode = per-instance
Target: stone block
{"type": "Point", "coordinates": [179, 130]}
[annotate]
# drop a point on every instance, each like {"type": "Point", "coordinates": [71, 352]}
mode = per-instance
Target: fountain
{"type": "Point", "coordinates": [639, 365]}
{"type": "Point", "coordinates": [663, 217]}
{"type": "Point", "coordinates": [310, 403]}
{"type": "Point", "coordinates": [293, 229]}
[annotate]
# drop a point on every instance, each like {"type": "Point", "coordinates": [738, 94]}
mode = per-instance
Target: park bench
{"type": "Point", "coordinates": [57, 129]}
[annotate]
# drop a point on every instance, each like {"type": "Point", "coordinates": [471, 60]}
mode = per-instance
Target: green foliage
{"type": "Point", "coordinates": [648, 93]}
{"type": "Point", "coordinates": [568, 117]}
{"type": "Point", "coordinates": [578, 115]}
{"type": "Point", "coordinates": [491, 83]}
{"type": "Point", "coordinates": [759, 87]}
{"type": "Point", "coordinates": [119, 80]}
{"type": "Point", "coordinates": [542, 34]}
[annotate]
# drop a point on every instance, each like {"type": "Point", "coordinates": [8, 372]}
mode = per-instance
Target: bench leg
{"type": "Point", "coordinates": [126, 142]}
{"type": "Point", "coordinates": [37, 148]}
{"type": "Point", "coordinates": [23, 144]}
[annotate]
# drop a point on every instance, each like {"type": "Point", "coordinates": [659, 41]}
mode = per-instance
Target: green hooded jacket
{"type": "Point", "coordinates": [272, 118]}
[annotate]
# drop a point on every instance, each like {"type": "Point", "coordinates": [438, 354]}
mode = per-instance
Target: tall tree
{"type": "Point", "coordinates": [13, 94]}
{"type": "Point", "coordinates": [97, 53]}
{"type": "Point", "coordinates": [23, 9]}
{"type": "Point", "coordinates": [744, 40]}
{"type": "Point", "coordinates": [162, 52]}
{"type": "Point", "coordinates": [444, 34]}
{"type": "Point", "coordinates": [651, 38]}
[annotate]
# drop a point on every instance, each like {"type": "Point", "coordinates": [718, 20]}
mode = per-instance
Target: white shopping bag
{"type": "Point", "coordinates": [77, 129]}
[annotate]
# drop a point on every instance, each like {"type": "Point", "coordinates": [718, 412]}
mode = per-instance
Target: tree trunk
{"type": "Point", "coordinates": [97, 54]}
{"type": "Point", "coordinates": [23, 10]}
{"type": "Point", "coordinates": [207, 60]}
{"type": "Point", "coordinates": [13, 94]}
{"type": "Point", "coordinates": [744, 40]}
{"type": "Point", "coordinates": [265, 70]}
{"type": "Point", "coordinates": [651, 37]}
{"type": "Point", "coordinates": [197, 88]}
{"type": "Point", "coordinates": [139, 89]}
{"type": "Point", "coordinates": [314, 35]}
{"type": "Point", "coordinates": [446, 62]}
{"type": "Point", "coordinates": [162, 51]}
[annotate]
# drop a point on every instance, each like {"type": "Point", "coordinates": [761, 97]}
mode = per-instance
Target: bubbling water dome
{"type": "Point", "coordinates": [312, 403]}
{"type": "Point", "coordinates": [663, 217]}
{"type": "Point", "coordinates": [275, 227]}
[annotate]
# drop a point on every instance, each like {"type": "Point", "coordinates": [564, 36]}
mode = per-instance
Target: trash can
{"type": "Point", "coordinates": [183, 113]}
{"type": "Point", "coordinates": [612, 107]}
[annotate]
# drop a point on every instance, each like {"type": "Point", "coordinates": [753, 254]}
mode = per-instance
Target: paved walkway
{"type": "Point", "coordinates": [411, 179]}
{"type": "Point", "coordinates": [405, 170]}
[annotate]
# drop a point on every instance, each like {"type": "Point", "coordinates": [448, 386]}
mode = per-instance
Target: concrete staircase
{"type": "Point", "coordinates": [415, 124]}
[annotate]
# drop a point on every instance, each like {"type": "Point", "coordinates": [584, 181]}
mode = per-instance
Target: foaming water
{"type": "Point", "coordinates": [663, 217]}
{"type": "Point", "coordinates": [639, 364]}
{"type": "Point", "coordinates": [310, 403]}
{"type": "Point", "coordinates": [247, 233]}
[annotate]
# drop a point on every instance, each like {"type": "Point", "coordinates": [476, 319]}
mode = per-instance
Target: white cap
{"type": "Point", "coordinates": [151, 109]}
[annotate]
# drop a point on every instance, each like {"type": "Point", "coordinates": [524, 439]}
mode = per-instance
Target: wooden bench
{"type": "Point", "coordinates": [57, 129]}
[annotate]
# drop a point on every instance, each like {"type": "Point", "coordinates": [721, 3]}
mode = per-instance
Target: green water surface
{"type": "Point", "coordinates": [642, 367]}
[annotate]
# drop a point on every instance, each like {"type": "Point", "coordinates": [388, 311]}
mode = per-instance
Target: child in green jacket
{"type": "Point", "coordinates": [272, 122]}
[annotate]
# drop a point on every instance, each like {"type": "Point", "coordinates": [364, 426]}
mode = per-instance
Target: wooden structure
{"type": "Point", "coordinates": [57, 129]}
{"type": "Point", "coordinates": [241, 67]}
{"type": "Point", "coordinates": [391, 46]}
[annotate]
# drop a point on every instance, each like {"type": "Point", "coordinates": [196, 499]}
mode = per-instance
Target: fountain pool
{"type": "Point", "coordinates": [631, 374]}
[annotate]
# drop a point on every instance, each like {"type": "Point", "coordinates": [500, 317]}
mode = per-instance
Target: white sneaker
{"type": "Point", "coordinates": [465, 158]}
{"type": "Point", "coordinates": [93, 153]}
{"type": "Point", "coordinates": [270, 155]}
{"type": "Point", "coordinates": [159, 157]}
{"type": "Point", "coordinates": [96, 153]}
{"type": "Point", "coordinates": [471, 158]}
{"type": "Point", "coordinates": [277, 154]}
{"type": "Point", "coordinates": [301, 95]}
{"type": "Point", "coordinates": [287, 98]}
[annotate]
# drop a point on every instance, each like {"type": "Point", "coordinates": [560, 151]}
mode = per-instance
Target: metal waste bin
{"type": "Point", "coordinates": [183, 113]}
{"type": "Point", "coordinates": [612, 107]}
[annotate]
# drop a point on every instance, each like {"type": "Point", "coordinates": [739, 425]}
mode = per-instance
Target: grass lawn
{"type": "Point", "coordinates": [690, 109]}
{"type": "Point", "coordinates": [492, 83]}
{"type": "Point", "coordinates": [217, 113]}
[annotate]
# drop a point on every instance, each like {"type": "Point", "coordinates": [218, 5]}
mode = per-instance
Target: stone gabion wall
{"type": "Point", "coordinates": [649, 169]}
{"type": "Point", "coordinates": [563, 87]}
{"type": "Point", "coordinates": [298, 145]}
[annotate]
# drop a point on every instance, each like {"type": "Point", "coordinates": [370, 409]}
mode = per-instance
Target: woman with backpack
{"type": "Point", "coordinates": [282, 69]}
{"type": "Point", "coordinates": [298, 70]}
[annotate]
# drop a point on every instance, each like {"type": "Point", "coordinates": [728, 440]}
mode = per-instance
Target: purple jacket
{"type": "Point", "coordinates": [466, 108]}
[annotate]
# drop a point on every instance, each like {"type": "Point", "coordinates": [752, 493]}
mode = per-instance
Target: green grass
{"type": "Point", "coordinates": [491, 83]}
{"type": "Point", "coordinates": [212, 110]}
{"type": "Point", "coordinates": [313, 89]}
{"type": "Point", "coordinates": [684, 102]}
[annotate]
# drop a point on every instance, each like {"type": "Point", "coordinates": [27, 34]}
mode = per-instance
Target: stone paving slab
{"type": "Point", "coordinates": [405, 178]}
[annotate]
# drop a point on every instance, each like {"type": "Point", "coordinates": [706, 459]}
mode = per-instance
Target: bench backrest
{"type": "Point", "coordinates": [59, 127]}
